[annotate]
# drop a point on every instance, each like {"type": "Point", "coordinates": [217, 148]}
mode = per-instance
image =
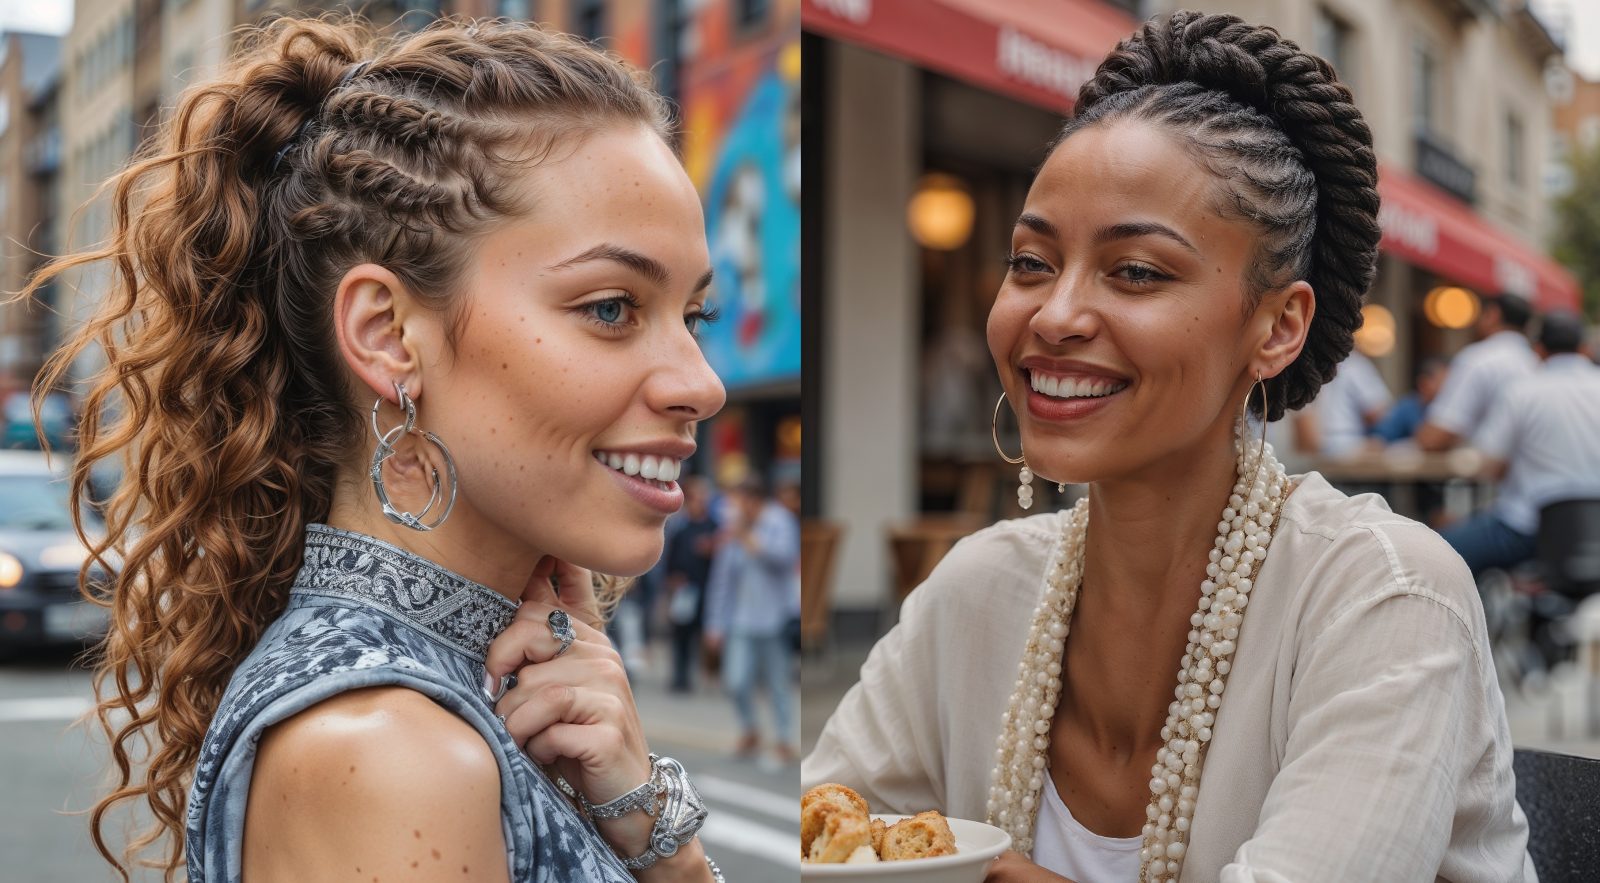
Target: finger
{"type": "Point", "coordinates": [584, 744]}
{"type": "Point", "coordinates": [538, 588]}
{"type": "Point", "coordinates": [528, 639]}
{"type": "Point", "coordinates": [559, 703]}
{"type": "Point", "coordinates": [575, 588]}
{"type": "Point", "coordinates": [597, 669]}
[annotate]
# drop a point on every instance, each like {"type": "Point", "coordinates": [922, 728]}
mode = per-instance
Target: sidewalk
{"type": "Point", "coordinates": [703, 719]}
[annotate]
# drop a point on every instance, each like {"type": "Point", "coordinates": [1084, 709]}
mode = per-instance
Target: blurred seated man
{"type": "Point", "coordinates": [1407, 415]}
{"type": "Point", "coordinates": [1542, 439]}
{"type": "Point", "coordinates": [1336, 422]}
{"type": "Point", "coordinates": [1478, 372]}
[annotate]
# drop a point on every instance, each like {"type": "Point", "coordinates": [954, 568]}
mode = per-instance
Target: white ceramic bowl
{"type": "Point", "coordinates": [977, 845]}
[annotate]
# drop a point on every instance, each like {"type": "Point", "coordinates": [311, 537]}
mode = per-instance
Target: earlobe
{"type": "Point", "coordinates": [367, 319]}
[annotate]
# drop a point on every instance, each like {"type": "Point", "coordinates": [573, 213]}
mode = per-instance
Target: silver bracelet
{"type": "Point", "coordinates": [682, 813]}
{"type": "Point", "coordinates": [646, 798]}
{"type": "Point", "coordinates": [716, 872]}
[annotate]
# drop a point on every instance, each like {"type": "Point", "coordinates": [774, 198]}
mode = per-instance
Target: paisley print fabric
{"type": "Point", "coordinates": [364, 613]}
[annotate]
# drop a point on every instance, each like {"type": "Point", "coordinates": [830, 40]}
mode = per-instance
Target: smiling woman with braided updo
{"type": "Point", "coordinates": [401, 344]}
{"type": "Point", "coordinates": [1194, 250]}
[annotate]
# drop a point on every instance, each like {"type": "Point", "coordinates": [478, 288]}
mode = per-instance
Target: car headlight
{"type": "Point", "coordinates": [10, 570]}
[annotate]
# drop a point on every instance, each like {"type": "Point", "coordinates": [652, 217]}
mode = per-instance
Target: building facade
{"type": "Point", "coordinates": [933, 115]}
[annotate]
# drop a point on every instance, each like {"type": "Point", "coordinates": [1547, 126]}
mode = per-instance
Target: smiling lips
{"type": "Point", "coordinates": [660, 471]}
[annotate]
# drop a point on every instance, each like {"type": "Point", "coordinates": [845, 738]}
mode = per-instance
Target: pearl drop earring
{"type": "Point", "coordinates": [1025, 488]}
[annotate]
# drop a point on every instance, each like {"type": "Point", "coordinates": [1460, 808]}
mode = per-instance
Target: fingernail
{"type": "Point", "coordinates": [490, 683]}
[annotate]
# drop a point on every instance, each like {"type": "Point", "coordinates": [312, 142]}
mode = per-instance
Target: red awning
{"type": "Point", "coordinates": [1432, 229]}
{"type": "Point", "coordinates": [1041, 51]}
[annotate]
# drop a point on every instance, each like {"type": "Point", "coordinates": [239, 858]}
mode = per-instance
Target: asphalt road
{"type": "Point", "coordinates": [49, 774]}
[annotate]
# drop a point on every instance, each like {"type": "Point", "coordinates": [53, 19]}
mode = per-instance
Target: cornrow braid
{"type": "Point", "coordinates": [1289, 149]}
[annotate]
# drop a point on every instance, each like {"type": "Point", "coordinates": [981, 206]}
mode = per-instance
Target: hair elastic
{"type": "Point", "coordinates": [344, 79]}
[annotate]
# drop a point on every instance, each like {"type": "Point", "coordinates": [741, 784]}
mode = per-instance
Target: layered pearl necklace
{"type": "Point", "coordinates": [1021, 760]}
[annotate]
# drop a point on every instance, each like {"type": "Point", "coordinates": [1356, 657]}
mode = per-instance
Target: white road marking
{"type": "Point", "coordinates": [44, 708]}
{"type": "Point", "coordinates": [724, 830]}
{"type": "Point", "coordinates": [749, 797]}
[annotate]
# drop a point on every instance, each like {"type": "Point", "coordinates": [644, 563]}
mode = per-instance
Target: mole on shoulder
{"type": "Point", "coordinates": [416, 833]}
{"type": "Point", "coordinates": [436, 855]}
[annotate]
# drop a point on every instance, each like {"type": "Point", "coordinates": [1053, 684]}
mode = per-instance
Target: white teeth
{"type": "Point", "coordinates": [1067, 388]}
{"type": "Point", "coordinates": [661, 471]}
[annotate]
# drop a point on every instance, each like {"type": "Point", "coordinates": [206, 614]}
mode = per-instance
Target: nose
{"type": "Point", "coordinates": [683, 383]}
{"type": "Point", "coordinates": [1072, 310]}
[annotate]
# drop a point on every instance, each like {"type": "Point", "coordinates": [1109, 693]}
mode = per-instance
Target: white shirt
{"type": "Point", "coordinates": [1364, 735]}
{"type": "Point", "coordinates": [1062, 844]}
{"type": "Point", "coordinates": [1342, 405]}
{"type": "Point", "coordinates": [1547, 427]}
{"type": "Point", "coordinates": [1477, 374]}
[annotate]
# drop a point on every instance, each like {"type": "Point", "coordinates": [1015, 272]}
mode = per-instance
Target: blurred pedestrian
{"type": "Point", "coordinates": [1478, 373]}
{"type": "Point", "coordinates": [1405, 418]}
{"type": "Point", "coordinates": [690, 549]}
{"type": "Point", "coordinates": [747, 612]}
{"type": "Point", "coordinates": [1543, 441]}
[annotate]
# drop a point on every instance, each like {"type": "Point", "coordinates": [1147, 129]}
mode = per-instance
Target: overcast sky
{"type": "Point", "coordinates": [1577, 20]}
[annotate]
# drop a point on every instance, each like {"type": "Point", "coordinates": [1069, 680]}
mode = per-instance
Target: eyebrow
{"type": "Point", "coordinates": [1126, 230]}
{"type": "Point", "coordinates": [640, 263]}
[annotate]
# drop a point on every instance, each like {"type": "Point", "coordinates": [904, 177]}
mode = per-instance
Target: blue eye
{"type": "Point", "coordinates": [613, 312]}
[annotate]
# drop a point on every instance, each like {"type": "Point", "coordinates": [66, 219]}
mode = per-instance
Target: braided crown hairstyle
{"type": "Point", "coordinates": [1290, 152]}
{"type": "Point", "coordinates": [222, 389]}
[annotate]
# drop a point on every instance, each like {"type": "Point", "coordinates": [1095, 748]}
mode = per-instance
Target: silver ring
{"type": "Point", "coordinates": [561, 629]}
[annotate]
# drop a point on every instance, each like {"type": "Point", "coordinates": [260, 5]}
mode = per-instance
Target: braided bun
{"type": "Point", "coordinates": [1286, 141]}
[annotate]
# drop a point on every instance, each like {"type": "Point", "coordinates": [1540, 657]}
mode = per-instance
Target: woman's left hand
{"type": "Point", "coordinates": [1013, 867]}
{"type": "Point", "coordinates": [574, 711]}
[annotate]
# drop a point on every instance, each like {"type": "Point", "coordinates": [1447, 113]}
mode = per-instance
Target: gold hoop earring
{"type": "Point", "coordinates": [1024, 475]}
{"type": "Point", "coordinates": [1244, 425]}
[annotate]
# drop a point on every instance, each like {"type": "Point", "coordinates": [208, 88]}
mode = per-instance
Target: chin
{"type": "Point", "coordinates": [630, 554]}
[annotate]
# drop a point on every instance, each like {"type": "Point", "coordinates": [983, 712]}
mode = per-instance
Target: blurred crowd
{"type": "Point", "coordinates": [726, 597]}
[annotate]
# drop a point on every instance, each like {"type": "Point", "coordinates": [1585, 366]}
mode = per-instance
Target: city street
{"type": "Point", "coordinates": [52, 771]}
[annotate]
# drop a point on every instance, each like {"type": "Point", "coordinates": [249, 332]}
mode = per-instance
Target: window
{"type": "Point", "coordinates": [1424, 88]}
{"type": "Point", "coordinates": [1334, 41]}
{"type": "Point", "coordinates": [515, 9]}
{"type": "Point", "coordinates": [671, 26]}
{"type": "Point", "coordinates": [588, 18]}
{"type": "Point", "coordinates": [1515, 152]}
{"type": "Point", "coordinates": [750, 13]}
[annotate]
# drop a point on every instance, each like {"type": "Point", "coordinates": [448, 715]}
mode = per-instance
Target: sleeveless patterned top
{"type": "Point", "coordinates": [363, 613]}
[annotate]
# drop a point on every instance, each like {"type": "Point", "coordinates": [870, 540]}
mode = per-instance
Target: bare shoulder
{"type": "Point", "coordinates": [379, 782]}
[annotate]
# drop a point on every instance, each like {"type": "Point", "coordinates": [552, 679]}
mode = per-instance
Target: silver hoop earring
{"type": "Point", "coordinates": [1024, 475]}
{"type": "Point", "coordinates": [385, 450]}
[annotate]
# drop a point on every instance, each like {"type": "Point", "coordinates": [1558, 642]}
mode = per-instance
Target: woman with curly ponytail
{"type": "Point", "coordinates": [1191, 262]}
{"type": "Point", "coordinates": [400, 347]}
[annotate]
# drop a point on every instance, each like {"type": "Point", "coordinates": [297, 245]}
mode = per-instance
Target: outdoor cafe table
{"type": "Point", "coordinates": [1398, 471]}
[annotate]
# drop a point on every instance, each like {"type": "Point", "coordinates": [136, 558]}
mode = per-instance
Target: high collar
{"type": "Point", "coordinates": [457, 611]}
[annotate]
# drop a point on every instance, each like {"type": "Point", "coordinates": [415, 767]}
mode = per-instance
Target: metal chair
{"type": "Point", "coordinates": [1561, 796]}
{"type": "Point", "coordinates": [1568, 547]}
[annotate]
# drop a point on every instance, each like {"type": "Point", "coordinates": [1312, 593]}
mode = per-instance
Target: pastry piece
{"type": "Point", "coordinates": [878, 827]}
{"type": "Point", "coordinates": [864, 855]}
{"type": "Point", "coordinates": [924, 835]}
{"type": "Point", "coordinates": [833, 793]}
{"type": "Point", "coordinates": [842, 834]}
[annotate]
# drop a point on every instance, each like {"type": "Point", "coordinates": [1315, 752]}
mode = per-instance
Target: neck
{"type": "Point", "coordinates": [1150, 532]}
{"type": "Point", "coordinates": [467, 543]}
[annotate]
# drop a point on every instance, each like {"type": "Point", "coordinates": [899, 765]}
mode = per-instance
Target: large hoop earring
{"type": "Point", "coordinates": [385, 450]}
{"type": "Point", "coordinates": [1244, 424]}
{"type": "Point", "coordinates": [1024, 475]}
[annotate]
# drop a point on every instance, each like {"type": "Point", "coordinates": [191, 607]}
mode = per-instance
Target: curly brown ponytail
{"type": "Point", "coordinates": [233, 412]}
{"type": "Point", "coordinates": [1289, 148]}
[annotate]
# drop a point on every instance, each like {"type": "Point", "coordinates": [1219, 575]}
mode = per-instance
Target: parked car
{"type": "Point", "coordinates": [40, 556]}
{"type": "Point", "coordinates": [55, 418]}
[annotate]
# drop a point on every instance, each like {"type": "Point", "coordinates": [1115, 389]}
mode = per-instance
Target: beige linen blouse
{"type": "Point", "coordinates": [1363, 737]}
